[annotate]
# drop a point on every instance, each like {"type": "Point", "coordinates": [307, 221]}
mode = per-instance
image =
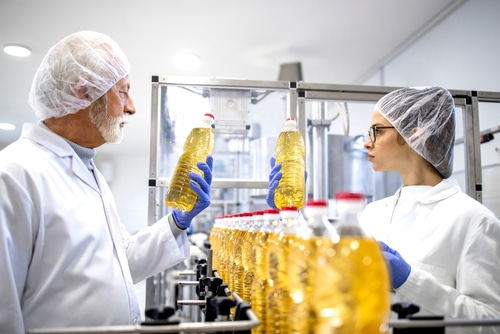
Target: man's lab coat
{"type": "Point", "coordinates": [65, 258]}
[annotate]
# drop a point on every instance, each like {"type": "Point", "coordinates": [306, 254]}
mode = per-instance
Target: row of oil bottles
{"type": "Point", "coordinates": [303, 273]}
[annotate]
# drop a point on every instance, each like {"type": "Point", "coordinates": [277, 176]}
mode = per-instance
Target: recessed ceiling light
{"type": "Point", "coordinates": [187, 61]}
{"type": "Point", "coordinates": [17, 50]}
{"type": "Point", "coordinates": [7, 126]}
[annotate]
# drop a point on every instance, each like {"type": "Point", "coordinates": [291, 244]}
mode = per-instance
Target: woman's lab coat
{"type": "Point", "coordinates": [66, 259]}
{"type": "Point", "coordinates": [452, 243]}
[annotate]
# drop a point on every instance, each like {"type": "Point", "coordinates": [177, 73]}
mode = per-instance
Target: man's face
{"type": "Point", "coordinates": [111, 112]}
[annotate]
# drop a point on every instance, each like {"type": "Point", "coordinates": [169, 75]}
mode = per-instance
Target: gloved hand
{"type": "Point", "coordinates": [201, 186]}
{"type": "Point", "coordinates": [400, 270]}
{"type": "Point", "coordinates": [274, 179]}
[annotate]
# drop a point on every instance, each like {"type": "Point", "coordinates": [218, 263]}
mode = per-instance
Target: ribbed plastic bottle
{"type": "Point", "coordinates": [235, 267]}
{"type": "Point", "coordinates": [225, 246]}
{"type": "Point", "coordinates": [278, 296]}
{"type": "Point", "coordinates": [215, 236]}
{"type": "Point", "coordinates": [261, 282]}
{"type": "Point", "coordinates": [198, 145]}
{"type": "Point", "coordinates": [303, 266]}
{"type": "Point", "coordinates": [290, 154]}
{"type": "Point", "coordinates": [356, 299]}
{"type": "Point", "coordinates": [238, 252]}
{"type": "Point", "coordinates": [248, 256]}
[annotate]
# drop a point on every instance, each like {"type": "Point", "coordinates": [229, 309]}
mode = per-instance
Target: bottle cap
{"type": "Point", "coordinates": [316, 208]}
{"type": "Point", "coordinates": [349, 202]}
{"type": "Point", "coordinates": [290, 121]}
{"type": "Point", "coordinates": [316, 202]}
{"type": "Point", "coordinates": [349, 196]}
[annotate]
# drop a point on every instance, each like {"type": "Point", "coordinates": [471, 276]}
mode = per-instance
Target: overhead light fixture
{"type": "Point", "coordinates": [187, 61]}
{"type": "Point", "coordinates": [7, 126]}
{"type": "Point", "coordinates": [17, 50]}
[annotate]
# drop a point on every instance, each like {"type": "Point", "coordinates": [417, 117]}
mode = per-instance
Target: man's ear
{"type": "Point", "coordinates": [81, 90]}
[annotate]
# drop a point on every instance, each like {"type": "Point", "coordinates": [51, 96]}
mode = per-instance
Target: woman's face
{"type": "Point", "coordinates": [387, 153]}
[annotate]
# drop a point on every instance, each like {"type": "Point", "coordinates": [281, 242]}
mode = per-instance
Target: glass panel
{"type": "Point", "coordinates": [489, 124]}
{"type": "Point", "coordinates": [348, 165]}
{"type": "Point", "coordinates": [247, 122]}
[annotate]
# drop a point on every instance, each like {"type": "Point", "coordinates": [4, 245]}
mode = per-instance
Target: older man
{"type": "Point", "coordinates": [66, 259]}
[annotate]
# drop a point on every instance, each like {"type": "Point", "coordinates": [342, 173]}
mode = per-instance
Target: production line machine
{"type": "Point", "coordinates": [248, 117]}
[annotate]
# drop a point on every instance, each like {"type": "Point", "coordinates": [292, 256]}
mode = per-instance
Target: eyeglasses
{"type": "Point", "coordinates": [372, 132]}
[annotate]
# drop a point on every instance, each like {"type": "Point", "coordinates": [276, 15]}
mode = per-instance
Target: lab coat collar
{"type": "Point", "coordinates": [439, 192]}
{"type": "Point", "coordinates": [55, 143]}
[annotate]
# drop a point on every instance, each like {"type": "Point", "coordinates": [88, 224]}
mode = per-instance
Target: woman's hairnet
{"type": "Point", "coordinates": [425, 118]}
{"type": "Point", "coordinates": [75, 72]}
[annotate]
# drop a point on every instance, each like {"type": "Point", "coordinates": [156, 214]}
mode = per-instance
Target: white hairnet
{"type": "Point", "coordinates": [425, 118]}
{"type": "Point", "coordinates": [75, 72]}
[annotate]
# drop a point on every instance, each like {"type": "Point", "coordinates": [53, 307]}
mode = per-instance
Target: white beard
{"type": "Point", "coordinates": [110, 129]}
{"type": "Point", "coordinates": [108, 126]}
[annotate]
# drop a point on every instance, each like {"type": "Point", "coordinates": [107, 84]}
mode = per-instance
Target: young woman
{"type": "Point", "coordinates": [442, 246]}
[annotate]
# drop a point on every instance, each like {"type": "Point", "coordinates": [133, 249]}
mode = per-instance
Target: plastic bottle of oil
{"type": "Point", "coordinates": [290, 153]}
{"type": "Point", "coordinates": [303, 266]}
{"type": "Point", "coordinates": [278, 296]}
{"type": "Point", "coordinates": [198, 145]}
{"type": "Point", "coordinates": [238, 251]}
{"type": "Point", "coordinates": [215, 236]}
{"type": "Point", "coordinates": [260, 283]}
{"type": "Point", "coordinates": [356, 299]}
{"type": "Point", "coordinates": [248, 254]}
{"type": "Point", "coordinates": [235, 268]}
{"type": "Point", "coordinates": [228, 242]}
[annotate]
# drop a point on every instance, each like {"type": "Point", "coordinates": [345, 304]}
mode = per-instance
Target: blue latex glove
{"type": "Point", "coordinates": [274, 179]}
{"type": "Point", "coordinates": [201, 186]}
{"type": "Point", "coordinates": [400, 270]}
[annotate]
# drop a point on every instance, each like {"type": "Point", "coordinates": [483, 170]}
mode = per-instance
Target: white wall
{"type": "Point", "coordinates": [461, 52]}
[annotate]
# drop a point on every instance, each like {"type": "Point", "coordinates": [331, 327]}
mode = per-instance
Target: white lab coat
{"type": "Point", "coordinates": [452, 243]}
{"type": "Point", "coordinates": [65, 258]}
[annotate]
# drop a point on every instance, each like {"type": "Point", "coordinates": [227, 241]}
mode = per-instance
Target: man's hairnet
{"type": "Point", "coordinates": [425, 118]}
{"type": "Point", "coordinates": [75, 72]}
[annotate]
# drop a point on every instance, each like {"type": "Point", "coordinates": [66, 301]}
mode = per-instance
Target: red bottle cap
{"type": "Point", "coordinates": [349, 195]}
{"type": "Point", "coordinates": [316, 202]}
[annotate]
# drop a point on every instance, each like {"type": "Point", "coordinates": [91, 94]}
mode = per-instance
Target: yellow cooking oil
{"type": "Point", "coordinates": [249, 255]}
{"type": "Point", "coordinates": [260, 282]}
{"type": "Point", "coordinates": [198, 145]}
{"type": "Point", "coordinates": [302, 265]}
{"type": "Point", "coordinates": [356, 299]}
{"type": "Point", "coordinates": [278, 298]}
{"type": "Point", "coordinates": [302, 269]}
{"type": "Point", "coordinates": [214, 239]}
{"type": "Point", "coordinates": [237, 270]}
{"type": "Point", "coordinates": [290, 153]}
{"type": "Point", "coordinates": [229, 257]}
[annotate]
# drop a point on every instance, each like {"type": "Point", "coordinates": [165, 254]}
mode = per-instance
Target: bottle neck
{"type": "Point", "coordinates": [348, 225]}
{"type": "Point", "coordinates": [288, 219]}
